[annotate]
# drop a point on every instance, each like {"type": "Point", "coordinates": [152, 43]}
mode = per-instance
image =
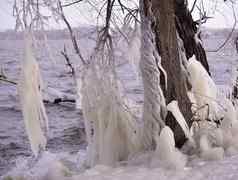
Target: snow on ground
{"type": "Point", "coordinates": [49, 167]}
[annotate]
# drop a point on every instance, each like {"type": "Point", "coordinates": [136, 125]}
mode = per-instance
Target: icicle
{"type": "Point", "coordinates": [112, 131]}
{"type": "Point", "coordinates": [30, 84]}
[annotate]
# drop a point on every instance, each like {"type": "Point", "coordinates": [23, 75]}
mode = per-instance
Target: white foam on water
{"type": "Point", "coordinates": [52, 167]}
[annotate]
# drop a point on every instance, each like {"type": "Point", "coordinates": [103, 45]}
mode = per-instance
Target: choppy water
{"type": "Point", "coordinates": [67, 134]}
{"type": "Point", "coordinates": [65, 122]}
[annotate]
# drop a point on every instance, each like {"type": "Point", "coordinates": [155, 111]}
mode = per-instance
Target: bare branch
{"type": "Point", "coordinates": [4, 78]}
{"type": "Point", "coordinates": [7, 80]}
{"type": "Point", "coordinates": [122, 6]}
{"type": "Point", "coordinates": [104, 35]}
{"type": "Point", "coordinates": [230, 34]}
{"type": "Point", "coordinates": [194, 4]}
{"type": "Point", "coordinates": [72, 3]}
{"type": "Point", "coordinates": [203, 15]}
{"type": "Point", "coordinates": [73, 38]}
{"type": "Point", "coordinates": [68, 63]}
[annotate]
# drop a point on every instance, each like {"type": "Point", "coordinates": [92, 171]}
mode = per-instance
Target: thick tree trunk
{"type": "Point", "coordinates": [167, 43]}
{"type": "Point", "coordinates": [153, 96]}
{"type": "Point", "coordinates": [235, 85]}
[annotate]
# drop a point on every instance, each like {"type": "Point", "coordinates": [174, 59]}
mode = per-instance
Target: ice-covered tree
{"type": "Point", "coordinates": [172, 61]}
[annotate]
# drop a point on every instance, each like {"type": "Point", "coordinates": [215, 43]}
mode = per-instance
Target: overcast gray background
{"type": "Point", "coordinates": [222, 13]}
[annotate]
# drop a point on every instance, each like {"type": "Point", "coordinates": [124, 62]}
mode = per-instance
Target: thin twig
{"type": "Point", "coordinates": [122, 6]}
{"type": "Point", "coordinates": [72, 3]}
{"type": "Point", "coordinates": [230, 34]}
{"type": "Point", "coordinates": [73, 38]}
{"type": "Point", "coordinates": [68, 63]}
{"type": "Point", "coordinates": [194, 3]}
{"type": "Point", "coordinates": [7, 80]}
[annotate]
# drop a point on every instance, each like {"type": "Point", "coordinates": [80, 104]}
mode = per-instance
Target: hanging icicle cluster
{"type": "Point", "coordinates": [30, 84]}
{"type": "Point", "coordinates": [112, 132]}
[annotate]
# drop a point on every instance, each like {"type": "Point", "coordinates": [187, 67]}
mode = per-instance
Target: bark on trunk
{"type": "Point", "coordinates": [187, 29]}
{"type": "Point", "coordinates": [166, 38]}
{"type": "Point", "coordinates": [235, 86]}
{"type": "Point", "coordinates": [153, 96]}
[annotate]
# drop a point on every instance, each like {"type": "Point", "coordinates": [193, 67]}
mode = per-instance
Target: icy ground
{"type": "Point", "coordinates": [62, 162]}
{"type": "Point", "coordinates": [67, 167]}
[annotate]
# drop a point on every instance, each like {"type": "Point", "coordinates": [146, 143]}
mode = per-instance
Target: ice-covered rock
{"type": "Point", "coordinates": [166, 151]}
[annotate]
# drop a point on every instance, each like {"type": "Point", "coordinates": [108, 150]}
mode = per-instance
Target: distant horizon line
{"type": "Point", "coordinates": [88, 25]}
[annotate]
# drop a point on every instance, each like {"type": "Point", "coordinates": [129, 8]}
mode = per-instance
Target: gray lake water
{"type": "Point", "coordinates": [67, 133]}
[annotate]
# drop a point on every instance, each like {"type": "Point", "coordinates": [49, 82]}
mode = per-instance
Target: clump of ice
{"type": "Point", "coordinates": [208, 152]}
{"type": "Point", "coordinates": [166, 154]}
{"type": "Point", "coordinates": [216, 140]}
{"type": "Point", "coordinates": [204, 90]}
